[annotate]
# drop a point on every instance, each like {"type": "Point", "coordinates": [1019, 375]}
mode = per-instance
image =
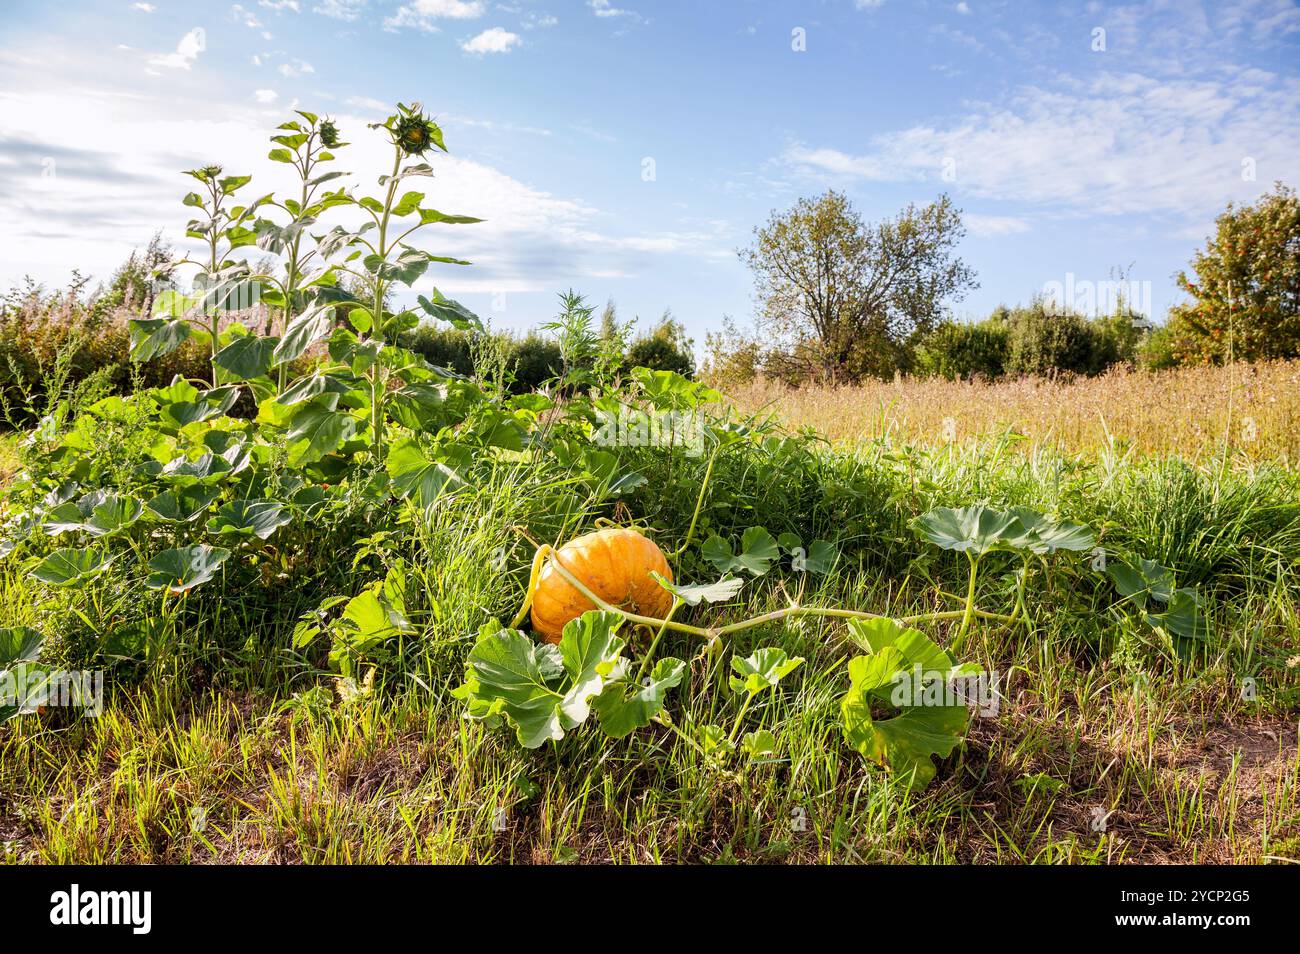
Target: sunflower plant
{"type": "Point", "coordinates": [222, 284]}
{"type": "Point", "coordinates": [380, 256]}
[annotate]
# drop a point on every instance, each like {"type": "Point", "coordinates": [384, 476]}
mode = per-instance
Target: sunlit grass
{"type": "Point", "coordinates": [1191, 412]}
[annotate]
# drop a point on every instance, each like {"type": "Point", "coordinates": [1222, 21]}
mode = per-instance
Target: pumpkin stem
{"type": "Point", "coordinates": [541, 555]}
{"type": "Point", "coordinates": [699, 502]}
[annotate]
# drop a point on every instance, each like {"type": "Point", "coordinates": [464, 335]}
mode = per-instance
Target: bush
{"type": "Point", "coordinates": [660, 354]}
{"type": "Point", "coordinates": [958, 351]}
{"type": "Point", "coordinates": [68, 342]}
{"type": "Point", "coordinates": [443, 347]}
{"type": "Point", "coordinates": [665, 348]}
{"type": "Point", "coordinates": [529, 361]}
{"type": "Point", "coordinates": [534, 360]}
{"type": "Point", "coordinates": [732, 357]}
{"type": "Point", "coordinates": [1043, 341]}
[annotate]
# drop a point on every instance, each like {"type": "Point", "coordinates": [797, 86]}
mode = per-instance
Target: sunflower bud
{"type": "Point", "coordinates": [414, 133]}
{"type": "Point", "coordinates": [329, 134]}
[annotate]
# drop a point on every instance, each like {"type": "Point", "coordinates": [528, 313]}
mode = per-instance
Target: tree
{"type": "Point", "coordinates": [841, 298]}
{"type": "Point", "coordinates": [731, 356]}
{"type": "Point", "coordinates": [665, 348]}
{"type": "Point", "coordinates": [1246, 290]}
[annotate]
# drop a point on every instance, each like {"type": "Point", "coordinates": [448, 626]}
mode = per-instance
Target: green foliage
{"type": "Point", "coordinates": [20, 653]}
{"type": "Point", "coordinates": [1245, 285]}
{"type": "Point", "coordinates": [961, 352]}
{"type": "Point", "coordinates": [335, 500]}
{"type": "Point", "coordinates": [665, 348]}
{"type": "Point", "coordinates": [544, 690]}
{"type": "Point", "coordinates": [921, 727]}
{"type": "Point", "coordinates": [530, 361]}
{"type": "Point", "coordinates": [842, 298]}
{"type": "Point", "coordinates": [1045, 340]}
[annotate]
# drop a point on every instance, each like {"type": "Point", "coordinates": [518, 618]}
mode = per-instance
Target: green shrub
{"type": "Point", "coordinates": [530, 361]}
{"type": "Point", "coordinates": [1044, 341]}
{"type": "Point", "coordinates": [60, 341]}
{"type": "Point", "coordinates": [660, 354]}
{"type": "Point", "coordinates": [959, 351]}
{"type": "Point", "coordinates": [534, 360]}
{"type": "Point", "coordinates": [443, 347]}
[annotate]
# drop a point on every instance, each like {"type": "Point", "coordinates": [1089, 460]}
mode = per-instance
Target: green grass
{"type": "Point", "coordinates": [8, 455]}
{"type": "Point", "coordinates": [1108, 747]}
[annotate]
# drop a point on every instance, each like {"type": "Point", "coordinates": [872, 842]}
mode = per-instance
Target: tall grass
{"type": "Point", "coordinates": [1192, 412]}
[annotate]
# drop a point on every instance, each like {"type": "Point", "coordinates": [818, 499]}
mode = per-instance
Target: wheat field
{"type": "Point", "coordinates": [1190, 412]}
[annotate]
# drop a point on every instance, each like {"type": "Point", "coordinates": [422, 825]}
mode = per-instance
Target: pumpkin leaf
{"type": "Point", "coordinates": [542, 691]}
{"type": "Point", "coordinates": [975, 530]}
{"type": "Point", "coordinates": [180, 506]}
{"type": "Point", "coordinates": [71, 567]}
{"type": "Point", "coordinates": [372, 617]}
{"type": "Point", "coordinates": [1042, 535]}
{"type": "Point", "coordinates": [113, 513]}
{"type": "Point", "coordinates": [182, 569]}
{"type": "Point", "coordinates": [249, 518]}
{"type": "Point", "coordinates": [1182, 617]}
{"type": "Point", "coordinates": [762, 670]}
{"type": "Point", "coordinates": [820, 558]}
{"type": "Point", "coordinates": [624, 706]}
{"type": "Point", "coordinates": [424, 476]}
{"type": "Point", "coordinates": [906, 742]}
{"type": "Point", "coordinates": [176, 412]}
{"type": "Point", "coordinates": [695, 594]}
{"type": "Point", "coordinates": [65, 518]}
{"type": "Point", "coordinates": [19, 644]}
{"type": "Point", "coordinates": [1146, 579]}
{"type": "Point", "coordinates": [208, 468]}
{"type": "Point", "coordinates": [758, 550]}
{"type": "Point", "coordinates": [758, 743]}
{"type": "Point", "coordinates": [20, 652]}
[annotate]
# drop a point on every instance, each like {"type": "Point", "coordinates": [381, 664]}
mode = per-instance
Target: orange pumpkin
{"type": "Point", "coordinates": [614, 564]}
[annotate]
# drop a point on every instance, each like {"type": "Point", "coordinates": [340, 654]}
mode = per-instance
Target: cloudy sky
{"type": "Point", "coordinates": [627, 148]}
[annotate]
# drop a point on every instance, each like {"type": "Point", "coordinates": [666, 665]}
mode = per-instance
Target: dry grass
{"type": "Point", "coordinates": [1187, 412]}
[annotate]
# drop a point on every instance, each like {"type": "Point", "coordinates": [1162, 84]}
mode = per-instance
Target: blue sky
{"type": "Point", "coordinates": [1077, 137]}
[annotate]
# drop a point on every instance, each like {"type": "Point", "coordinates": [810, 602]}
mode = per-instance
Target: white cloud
{"type": "Point", "coordinates": [295, 68]}
{"type": "Point", "coordinates": [538, 21]}
{"type": "Point", "coordinates": [493, 40]}
{"type": "Point", "coordinates": [265, 95]}
{"type": "Point", "coordinates": [868, 4]}
{"type": "Point", "coordinates": [345, 10]}
{"type": "Point", "coordinates": [119, 184]}
{"type": "Point", "coordinates": [369, 103]}
{"type": "Point", "coordinates": [963, 8]}
{"type": "Point", "coordinates": [602, 8]}
{"type": "Point", "coordinates": [144, 7]}
{"type": "Point", "coordinates": [994, 226]}
{"type": "Point", "coordinates": [1110, 144]}
{"type": "Point", "coordinates": [247, 17]}
{"type": "Point", "coordinates": [424, 14]}
{"type": "Point", "coordinates": [278, 5]}
{"type": "Point", "coordinates": [187, 51]}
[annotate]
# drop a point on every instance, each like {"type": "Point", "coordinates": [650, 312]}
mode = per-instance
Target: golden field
{"type": "Point", "coordinates": [1189, 411]}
